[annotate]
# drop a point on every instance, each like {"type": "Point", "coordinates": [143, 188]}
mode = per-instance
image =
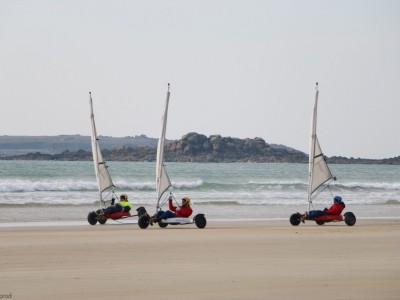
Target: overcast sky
{"type": "Point", "coordinates": [237, 68]}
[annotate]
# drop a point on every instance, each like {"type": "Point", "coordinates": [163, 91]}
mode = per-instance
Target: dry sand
{"type": "Point", "coordinates": [226, 260]}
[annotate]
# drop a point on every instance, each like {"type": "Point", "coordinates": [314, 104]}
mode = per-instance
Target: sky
{"type": "Point", "coordinates": [238, 68]}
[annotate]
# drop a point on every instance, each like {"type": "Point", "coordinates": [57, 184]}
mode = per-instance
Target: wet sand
{"type": "Point", "coordinates": [226, 260]}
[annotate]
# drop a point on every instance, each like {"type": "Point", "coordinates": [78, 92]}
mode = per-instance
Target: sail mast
{"type": "Point", "coordinates": [102, 175]}
{"type": "Point", "coordinates": [94, 144]}
{"type": "Point", "coordinates": [319, 172]}
{"type": "Point", "coordinates": [313, 139]}
{"type": "Point", "coordinates": [162, 180]}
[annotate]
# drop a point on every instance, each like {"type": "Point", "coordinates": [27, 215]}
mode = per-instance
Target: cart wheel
{"type": "Point", "coordinates": [320, 222]}
{"type": "Point", "coordinates": [200, 221]}
{"type": "Point", "coordinates": [141, 211]}
{"type": "Point", "coordinates": [102, 220]}
{"type": "Point", "coordinates": [295, 219]}
{"type": "Point", "coordinates": [144, 221]}
{"type": "Point", "coordinates": [350, 218]}
{"type": "Point", "coordinates": [92, 218]}
{"type": "Point", "coordinates": [162, 225]}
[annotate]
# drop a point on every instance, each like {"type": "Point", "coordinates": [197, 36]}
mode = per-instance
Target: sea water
{"type": "Point", "coordinates": [41, 191]}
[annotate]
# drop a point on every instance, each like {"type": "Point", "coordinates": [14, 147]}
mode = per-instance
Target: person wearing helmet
{"type": "Point", "coordinates": [336, 209]}
{"type": "Point", "coordinates": [122, 205]}
{"type": "Point", "coordinates": [182, 211]}
{"type": "Point", "coordinates": [337, 206]}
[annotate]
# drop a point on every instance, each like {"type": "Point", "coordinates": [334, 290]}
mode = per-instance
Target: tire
{"type": "Point", "coordinates": [200, 221]}
{"type": "Point", "coordinates": [141, 211]}
{"type": "Point", "coordinates": [161, 224]}
{"type": "Point", "coordinates": [350, 219]}
{"type": "Point", "coordinates": [92, 218]}
{"type": "Point", "coordinates": [295, 219]}
{"type": "Point", "coordinates": [102, 220]}
{"type": "Point", "coordinates": [320, 222]}
{"type": "Point", "coordinates": [144, 221]}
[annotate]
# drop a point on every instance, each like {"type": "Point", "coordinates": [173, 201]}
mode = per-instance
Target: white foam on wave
{"type": "Point", "coordinates": [141, 186]}
{"type": "Point", "coordinates": [12, 186]}
{"type": "Point", "coordinates": [278, 182]}
{"type": "Point", "coordinates": [372, 185]}
{"type": "Point", "coordinates": [187, 184]}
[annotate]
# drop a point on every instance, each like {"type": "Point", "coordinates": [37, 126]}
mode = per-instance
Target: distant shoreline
{"type": "Point", "coordinates": [148, 155]}
{"type": "Point", "coordinates": [192, 147]}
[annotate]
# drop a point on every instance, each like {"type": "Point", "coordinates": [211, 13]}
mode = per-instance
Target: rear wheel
{"type": "Point", "coordinates": [200, 221]}
{"type": "Point", "coordinates": [350, 218]}
{"type": "Point", "coordinates": [295, 219]}
{"type": "Point", "coordinates": [102, 220]}
{"type": "Point", "coordinates": [162, 225]}
{"type": "Point", "coordinates": [92, 218]}
{"type": "Point", "coordinates": [320, 222]}
{"type": "Point", "coordinates": [144, 221]}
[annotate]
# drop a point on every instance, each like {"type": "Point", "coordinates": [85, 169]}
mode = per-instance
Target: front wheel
{"type": "Point", "coordinates": [144, 221]}
{"type": "Point", "coordinates": [320, 222]}
{"type": "Point", "coordinates": [141, 211]}
{"type": "Point", "coordinates": [92, 218]}
{"type": "Point", "coordinates": [200, 221]}
{"type": "Point", "coordinates": [295, 219]}
{"type": "Point", "coordinates": [350, 219]}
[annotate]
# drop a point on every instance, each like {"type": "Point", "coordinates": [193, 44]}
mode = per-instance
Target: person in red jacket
{"type": "Point", "coordinates": [182, 211]}
{"type": "Point", "coordinates": [336, 209]}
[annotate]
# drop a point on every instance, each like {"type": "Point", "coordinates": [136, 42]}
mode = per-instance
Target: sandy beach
{"type": "Point", "coordinates": [226, 260]}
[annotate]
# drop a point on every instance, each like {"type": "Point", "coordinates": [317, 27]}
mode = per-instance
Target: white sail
{"type": "Point", "coordinates": [162, 180]}
{"type": "Point", "coordinates": [102, 175]}
{"type": "Point", "coordinates": [319, 172]}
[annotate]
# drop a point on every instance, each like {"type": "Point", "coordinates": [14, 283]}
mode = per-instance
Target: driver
{"type": "Point", "coordinates": [336, 209]}
{"type": "Point", "coordinates": [122, 205]}
{"type": "Point", "coordinates": [182, 211]}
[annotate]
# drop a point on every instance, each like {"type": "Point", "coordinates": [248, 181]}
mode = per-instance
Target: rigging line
{"type": "Point", "coordinates": [321, 190]}
{"type": "Point", "coordinates": [173, 197]}
{"type": "Point", "coordinates": [164, 201]}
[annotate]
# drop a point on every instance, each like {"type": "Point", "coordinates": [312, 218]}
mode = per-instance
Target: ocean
{"type": "Point", "coordinates": [58, 191]}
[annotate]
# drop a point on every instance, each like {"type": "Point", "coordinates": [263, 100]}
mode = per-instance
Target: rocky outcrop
{"type": "Point", "coordinates": [194, 147]}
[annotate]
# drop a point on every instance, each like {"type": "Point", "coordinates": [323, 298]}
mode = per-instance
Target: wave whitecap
{"type": "Point", "coordinates": [188, 184]}
{"type": "Point", "coordinates": [18, 186]}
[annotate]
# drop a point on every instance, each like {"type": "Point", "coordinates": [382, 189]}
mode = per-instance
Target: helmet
{"type": "Point", "coordinates": [186, 200]}
{"type": "Point", "coordinates": [338, 199]}
{"type": "Point", "coordinates": [123, 197]}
